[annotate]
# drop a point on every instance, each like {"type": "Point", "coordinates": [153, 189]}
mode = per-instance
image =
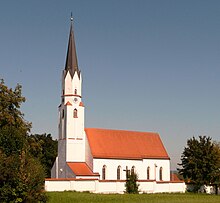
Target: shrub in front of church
{"type": "Point", "coordinates": [131, 184]}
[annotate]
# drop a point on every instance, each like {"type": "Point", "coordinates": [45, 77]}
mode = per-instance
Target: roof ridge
{"type": "Point", "coordinates": [122, 130]}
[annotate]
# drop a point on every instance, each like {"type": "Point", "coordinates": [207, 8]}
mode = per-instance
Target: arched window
{"type": "Point", "coordinates": [75, 113]}
{"type": "Point", "coordinates": [127, 172]}
{"type": "Point", "coordinates": [148, 173]}
{"type": "Point", "coordinates": [161, 173]}
{"type": "Point", "coordinates": [63, 97]}
{"type": "Point", "coordinates": [63, 113]}
{"type": "Point", "coordinates": [75, 91]}
{"type": "Point", "coordinates": [132, 169]}
{"type": "Point", "coordinates": [119, 173]}
{"type": "Point", "coordinates": [104, 172]}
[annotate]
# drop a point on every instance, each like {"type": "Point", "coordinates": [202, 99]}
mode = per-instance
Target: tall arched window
{"type": "Point", "coordinates": [75, 91]}
{"type": "Point", "coordinates": [63, 97]}
{"type": "Point", "coordinates": [161, 173]}
{"type": "Point", "coordinates": [119, 173]}
{"type": "Point", "coordinates": [127, 172]}
{"type": "Point", "coordinates": [132, 169]}
{"type": "Point", "coordinates": [63, 113]}
{"type": "Point", "coordinates": [148, 173]}
{"type": "Point", "coordinates": [75, 113]}
{"type": "Point", "coordinates": [104, 172]}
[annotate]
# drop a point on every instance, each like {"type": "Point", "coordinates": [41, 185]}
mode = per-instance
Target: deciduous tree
{"type": "Point", "coordinates": [10, 103]}
{"type": "Point", "coordinates": [21, 175]}
{"type": "Point", "coordinates": [199, 162]}
{"type": "Point", "coordinates": [44, 148]}
{"type": "Point", "coordinates": [216, 173]}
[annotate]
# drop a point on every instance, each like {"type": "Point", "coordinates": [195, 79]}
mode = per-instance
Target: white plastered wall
{"type": "Point", "coordinates": [77, 83]}
{"type": "Point", "coordinates": [75, 134]}
{"type": "Point", "coordinates": [88, 154]}
{"type": "Point", "coordinates": [140, 168]}
{"type": "Point", "coordinates": [61, 159]}
{"type": "Point", "coordinates": [54, 170]}
{"type": "Point", "coordinates": [97, 186]}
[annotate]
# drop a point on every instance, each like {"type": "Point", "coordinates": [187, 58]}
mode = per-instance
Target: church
{"type": "Point", "coordinates": [98, 160]}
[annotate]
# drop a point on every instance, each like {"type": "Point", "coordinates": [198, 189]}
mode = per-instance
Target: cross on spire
{"type": "Point", "coordinates": [71, 17]}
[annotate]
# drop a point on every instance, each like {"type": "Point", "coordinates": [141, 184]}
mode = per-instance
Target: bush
{"type": "Point", "coordinates": [131, 184]}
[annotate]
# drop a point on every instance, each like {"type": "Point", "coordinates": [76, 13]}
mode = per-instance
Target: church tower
{"type": "Point", "coordinates": [72, 138]}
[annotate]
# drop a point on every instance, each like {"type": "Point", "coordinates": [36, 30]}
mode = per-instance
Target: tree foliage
{"type": "Point", "coordinates": [216, 181]}
{"type": "Point", "coordinates": [44, 148]}
{"type": "Point", "coordinates": [10, 103]}
{"type": "Point", "coordinates": [21, 178]}
{"type": "Point", "coordinates": [21, 175]}
{"type": "Point", "coordinates": [131, 184]}
{"type": "Point", "coordinates": [200, 162]}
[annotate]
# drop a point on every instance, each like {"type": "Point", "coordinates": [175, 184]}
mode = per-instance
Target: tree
{"type": "Point", "coordinates": [21, 175]}
{"type": "Point", "coordinates": [199, 162]}
{"type": "Point", "coordinates": [10, 103]}
{"type": "Point", "coordinates": [21, 178]}
{"type": "Point", "coordinates": [216, 173]}
{"type": "Point", "coordinates": [131, 184]}
{"type": "Point", "coordinates": [44, 148]}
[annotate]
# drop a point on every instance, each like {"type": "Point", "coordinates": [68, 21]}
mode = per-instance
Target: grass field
{"type": "Point", "coordinates": [65, 197]}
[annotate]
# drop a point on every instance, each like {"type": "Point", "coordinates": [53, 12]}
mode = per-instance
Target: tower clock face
{"type": "Point", "coordinates": [75, 100]}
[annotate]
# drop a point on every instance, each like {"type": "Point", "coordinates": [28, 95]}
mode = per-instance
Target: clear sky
{"type": "Point", "coordinates": [147, 65]}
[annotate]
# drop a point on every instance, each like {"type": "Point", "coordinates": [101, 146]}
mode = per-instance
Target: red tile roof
{"type": "Point", "coordinates": [68, 104]}
{"type": "Point", "coordinates": [81, 104]}
{"type": "Point", "coordinates": [121, 144]}
{"type": "Point", "coordinates": [81, 169]}
{"type": "Point", "coordinates": [174, 177]}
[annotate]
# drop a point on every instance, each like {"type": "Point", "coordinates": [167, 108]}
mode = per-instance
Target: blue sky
{"type": "Point", "coordinates": [146, 65]}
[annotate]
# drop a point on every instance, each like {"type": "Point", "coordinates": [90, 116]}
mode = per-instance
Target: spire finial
{"type": "Point", "coordinates": [71, 17]}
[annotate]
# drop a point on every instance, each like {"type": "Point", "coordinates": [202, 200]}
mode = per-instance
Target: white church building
{"type": "Point", "coordinates": [97, 160]}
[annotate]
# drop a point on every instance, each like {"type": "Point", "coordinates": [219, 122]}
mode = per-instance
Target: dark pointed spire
{"type": "Point", "coordinates": [71, 57]}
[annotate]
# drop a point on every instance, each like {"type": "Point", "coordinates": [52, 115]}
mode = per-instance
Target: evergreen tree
{"type": "Point", "coordinates": [131, 184]}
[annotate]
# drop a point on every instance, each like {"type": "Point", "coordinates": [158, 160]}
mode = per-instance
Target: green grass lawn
{"type": "Point", "coordinates": [60, 197]}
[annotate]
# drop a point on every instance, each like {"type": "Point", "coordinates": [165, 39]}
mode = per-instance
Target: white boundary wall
{"type": "Point", "coordinates": [108, 186]}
